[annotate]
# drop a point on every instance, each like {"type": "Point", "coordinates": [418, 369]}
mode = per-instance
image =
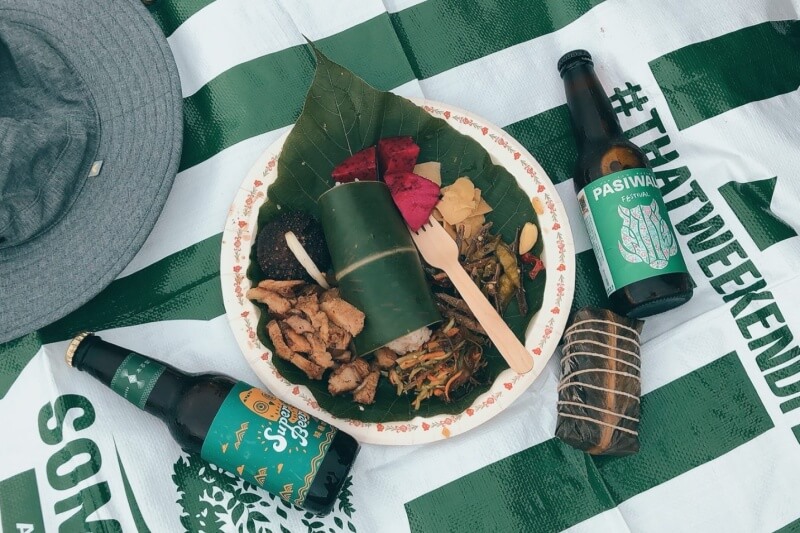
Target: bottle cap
{"type": "Point", "coordinates": [73, 346]}
{"type": "Point", "coordinates": [572, 57]}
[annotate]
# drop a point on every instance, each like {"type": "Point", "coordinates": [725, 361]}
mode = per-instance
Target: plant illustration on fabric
{"type": "Point", "coordinates": [214, 500]}
{"type": "Point", "coordinates": [645, 237]}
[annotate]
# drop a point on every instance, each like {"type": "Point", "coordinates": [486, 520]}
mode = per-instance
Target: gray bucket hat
{"type": "Point", "coordinates": [90, 141]}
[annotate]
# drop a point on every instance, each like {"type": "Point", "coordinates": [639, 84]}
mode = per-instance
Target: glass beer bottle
{"type": "Point", "coordinates": [237, 427]}
{"type": "Point", "coordinates": [633, 239]}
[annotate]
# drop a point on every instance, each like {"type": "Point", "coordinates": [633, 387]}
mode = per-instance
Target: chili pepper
{"type": "Point", "coordinates": [538, 266]}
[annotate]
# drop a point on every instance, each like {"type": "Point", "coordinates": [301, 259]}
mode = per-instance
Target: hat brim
{"type": "Point", "coordinates": [123, 58]}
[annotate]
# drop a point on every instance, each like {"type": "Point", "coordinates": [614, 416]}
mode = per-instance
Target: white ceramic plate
{"type": "Point", "coordinates": [543, 332]}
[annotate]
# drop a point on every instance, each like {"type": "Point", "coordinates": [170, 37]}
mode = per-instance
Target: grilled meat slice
{"type": "Point", "coordinates": [278, 305]}
{"type": "Point", "coordinates": [330, 294]}
{"type": "Point", "coordinates": [385, 358]}
{"type": "Point", "coordinates": [365, 393]}
{"type": "Point", "coordinates": [283, 288]}
{"type": "Point", "coordinates": [344, 315]}
{"type": "Point", "coordinates": [309, 304]}
{"type": "Point", "coordinates": [319, 353]}
{"type": "Point", "coordinates": [294, 340]}
{"type": "Point", "coordinates": [348, 377]}
{"type": "Point", "coordinates": [338, 338]}
{"type": "Point", "coordinates": [312, 370]}
{"type": "Point", "coordinates": [322, 325]}
{"type": "Point", "coordinates": [300, 325]}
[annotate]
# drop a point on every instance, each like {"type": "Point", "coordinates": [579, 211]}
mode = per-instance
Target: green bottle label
{"type": "Point", "coordinates": [629, 227]}
{"type": "Point", "coordinates": [135, 378]}
{"type": "Point", "coordinates": [267, 442]}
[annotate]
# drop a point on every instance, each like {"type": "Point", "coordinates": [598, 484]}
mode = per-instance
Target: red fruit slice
{"type": "Point", "coordinates": [360, 166]}
{"type": "Point", "coordinates": [397, 154]}
{"type": "Point", "coordinates": [414, 196]}
{"type": "Point", "coordinates": [394, 180]}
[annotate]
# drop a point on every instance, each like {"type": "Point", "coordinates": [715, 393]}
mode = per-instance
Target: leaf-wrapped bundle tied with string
{"type": "Point", "coordinates": [600, 388]}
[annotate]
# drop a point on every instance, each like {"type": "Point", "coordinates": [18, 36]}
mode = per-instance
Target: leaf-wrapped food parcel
{"type": "Point", "coordinates": [377, 266]}
{"type": "Point", "coordinates": [600, 388]}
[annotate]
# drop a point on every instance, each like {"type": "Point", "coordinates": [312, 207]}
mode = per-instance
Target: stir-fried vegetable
{"type": "Point", "coordinates": [450, 359]}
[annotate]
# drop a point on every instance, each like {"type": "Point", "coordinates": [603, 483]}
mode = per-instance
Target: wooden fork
{"type": "Point", "coordinates": [439, 250]}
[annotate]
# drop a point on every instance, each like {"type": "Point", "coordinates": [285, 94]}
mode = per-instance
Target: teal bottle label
{"type": "Point", "coordinates": [629, 227]}
{"type": "Point", "coordinates": [135, 378]}
{"type": "Point", "coordinates": [267, 442]}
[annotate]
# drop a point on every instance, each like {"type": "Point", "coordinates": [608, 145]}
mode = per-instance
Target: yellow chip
{"type": "Point", "coordinates": [453, 212]}
{"type": "Point", "coordinates": [432, 170]}
{"type": "Point", "coordinates": [462, 200]}
{"type": "Point", "coordinates": [464, 188]}
{"type": "Point", "coordinates": [483, 208]}
{"type": "Point", "coordinates": [472, 225]}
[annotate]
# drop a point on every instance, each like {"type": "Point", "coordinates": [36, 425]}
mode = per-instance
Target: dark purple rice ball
{"type": "Point", "coordinates": [274, 256]}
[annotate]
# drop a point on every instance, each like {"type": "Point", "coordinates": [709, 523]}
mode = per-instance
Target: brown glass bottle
{"type": "Point", "coordinates": [231, 424]}
{"type": "Point", "coordinates": [640, 261]}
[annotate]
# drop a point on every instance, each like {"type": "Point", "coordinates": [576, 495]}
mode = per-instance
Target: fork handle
{"type": "Point", "coordinates": [496, 328]}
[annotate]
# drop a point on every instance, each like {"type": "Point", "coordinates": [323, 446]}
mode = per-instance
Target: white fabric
{"type": "Point", "coordinates": [752, 488]}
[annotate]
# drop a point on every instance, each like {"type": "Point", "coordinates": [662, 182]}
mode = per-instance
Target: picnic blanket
{"type": "Point", "coordinates": [709, 89]}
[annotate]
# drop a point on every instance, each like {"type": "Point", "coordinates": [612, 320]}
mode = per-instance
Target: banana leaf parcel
{"type": "Point", "coordinates": [600, 388]}
{"type": "Point", "coordinates": [367, 238]}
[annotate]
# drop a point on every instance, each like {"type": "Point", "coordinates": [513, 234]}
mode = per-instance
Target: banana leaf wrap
{"type": "Point", "coordinates": [376, 264]}
{"type": "Point", "coordinates": [600, 389]}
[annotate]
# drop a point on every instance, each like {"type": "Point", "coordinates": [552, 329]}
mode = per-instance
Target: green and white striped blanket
{"type": "Point", "coordinates": [709, 88]}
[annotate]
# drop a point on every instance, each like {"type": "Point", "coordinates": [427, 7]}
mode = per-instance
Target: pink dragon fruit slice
{"type": "Point", "coordinates": [414, 196]}
{"type": "Point", "coordinates": [360, 166]}
{"type": "Point", "coordinates": [397, 154]}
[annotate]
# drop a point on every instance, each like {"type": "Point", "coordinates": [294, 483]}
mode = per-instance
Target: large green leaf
{"type": "Point", "coordinates": [342, 115]}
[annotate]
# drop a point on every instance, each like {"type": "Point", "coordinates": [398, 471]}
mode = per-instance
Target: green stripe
{"type": "Point", "coordinates": [441, 34]}
{"type": "Point", "coordinates": [215, 117]}
{"type": "Point", "coordinates": [518, 493]}
{"type": "Point", "coordinates": [685, 423]}
{"type": "Point", "coordinates": [273, 87]}
{"type": "Point", "coordinates": [138, 519]}
{"type": "Point", "coordinates": [751, 203]}
{"type": "Point", "coordinates": [14, 356]}
{"type": "Point", "coordinates": [20, 503]}
{"type": "Point", "coordinates": [182, 286]}
{"type": "Point", "coordinates": [792, 527]}
{"type": "Point", "coordinates": [169, 14]}
{"type": "Point", "coordinates": [705, 79]}
{"type": "Point", "coordinates": [548, 137]}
